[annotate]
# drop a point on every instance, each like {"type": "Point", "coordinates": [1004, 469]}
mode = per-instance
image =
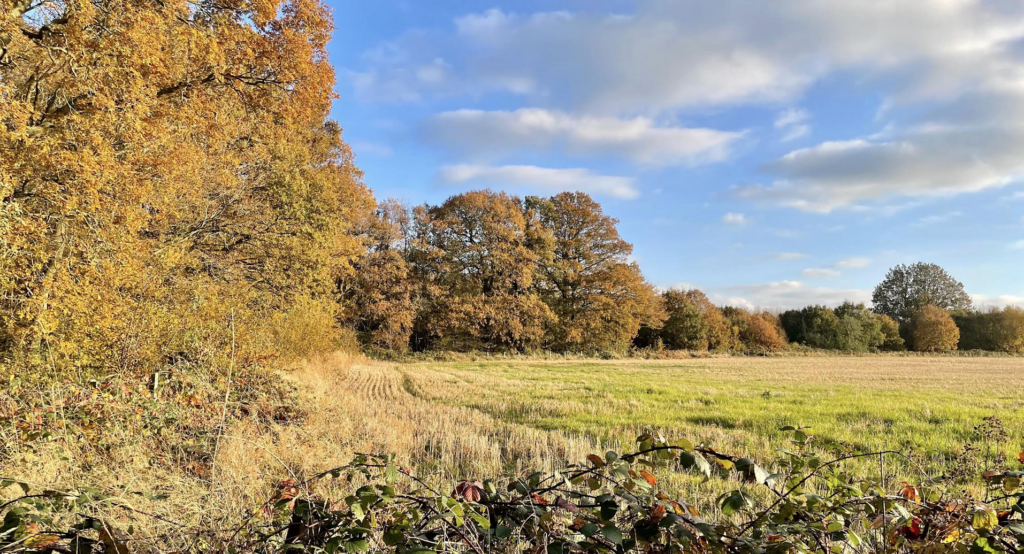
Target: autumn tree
{"type": "Point", "coordinates": [476, 261]}
{"type": "Point", "coordinates": [600, 298]}
{"type": "Point", "coordinates": [907, 288]}
{"type": "Point", "coordinates": [932, 329]}
{"type": "Point", "coordinates": [167, 167]}
{"type": "Point", "coordinates": [762, 334]}
{"type": "Point", "coordinates": [377, 294]}
{"type": "Point", "coordinates": [693, 322]}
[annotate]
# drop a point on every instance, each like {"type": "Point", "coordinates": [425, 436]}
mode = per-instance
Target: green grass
{"type": "Point", "coordinates": [928, 407]}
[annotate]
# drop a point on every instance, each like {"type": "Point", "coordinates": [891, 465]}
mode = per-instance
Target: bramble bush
{"type": "Point", "coordinates": [611, 503]}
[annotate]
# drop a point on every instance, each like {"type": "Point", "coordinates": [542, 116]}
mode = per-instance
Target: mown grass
{"type": "Point", "coordinates": [928, 407]}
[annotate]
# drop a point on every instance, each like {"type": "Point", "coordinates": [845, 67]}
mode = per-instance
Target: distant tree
{"type": "Point", "coordinates": [693, 323]}
{"type": "Point", "coordinates": [377, 294]}
{"type": "Point", "coordinates": [476, 260]}
{"type": "Point", "coordinates": [932, 329]}
{"type": "Point", "coordinates": [861, 329]}
{"type": "Point", "coordinates": [600, 298]}
{"type": "Point", "coordinates": [907, 288]}
{"type": "Point", "coordinates": [849, 327]}
{"type": "Point", "coordinates": [754, 332]}
{"type": "Point", "coordinates": [995, 330]}
{"type": "Point", "coordinates": [822, 328]}
{"type": "Point", "coordinates": [761, 334]}
{"type": "Point", "coordinates": [1011, 330]}
{"type": "Point", "coordinates": [892, 341]}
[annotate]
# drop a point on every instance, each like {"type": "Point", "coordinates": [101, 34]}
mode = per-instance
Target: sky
{"type": "Point", "coordinates": [772, 154]}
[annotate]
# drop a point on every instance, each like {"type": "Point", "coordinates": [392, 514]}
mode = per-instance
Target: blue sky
{"type": "Point", "coordinates": [772, 154]}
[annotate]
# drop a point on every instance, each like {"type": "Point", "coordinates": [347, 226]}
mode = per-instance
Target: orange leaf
{"type": "Point", "coordinates": [596, 460]}
{"type": "Point", "coordinates": [910, 493]}
{"type": "Point", "coordinates": [649, 477]}
{"type": "Point", "coordinates": [1020, 456]}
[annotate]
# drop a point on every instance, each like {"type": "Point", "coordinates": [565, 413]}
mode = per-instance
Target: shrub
{"type": "Point", "coordinates": [933, 330]}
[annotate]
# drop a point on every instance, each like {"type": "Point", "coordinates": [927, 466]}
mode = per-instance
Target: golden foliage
{"type": "Point", "coordinates": [933, 330]}
{"type": "Point", "coordinates": [599, 297]}
{"type": "Point", "coordinates": [168, 168]}
{"type": "Point", "coordinates": [476, 258]}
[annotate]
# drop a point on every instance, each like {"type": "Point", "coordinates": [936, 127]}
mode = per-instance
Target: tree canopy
{"type": "Point", "coordinates": [166, 164]}
{"type": "Point", "coordinates": [908, 288]}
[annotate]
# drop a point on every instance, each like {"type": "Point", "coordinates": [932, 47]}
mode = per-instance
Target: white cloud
{"type": "Point", "coordinates": [791, 117]}
{"type": "Point", "coordinates": [785, 295]}
{"type": "Point", "coordinates": [946, 162]}
{"type": "Point", "coordinates": [820, 272]}
{"type": "Point", "coordinates": [982, 300]}
{"type": "Point", "coordinates": [541, 179]}
{"type": "Point", "coordinates": [788, 256]}
{"type": "Point", "coordinates": [734, 219]}
{"type": "Point", "coordinates": [1019, 245]}
{"type": "Point", "coordinates": [853, 263]}
{"type": "Point", "coordinates": [669, 55]}
{"type": "Point", "coordinates": [638, 139]}
{"type": "Point", "coordinates": [793, 123]}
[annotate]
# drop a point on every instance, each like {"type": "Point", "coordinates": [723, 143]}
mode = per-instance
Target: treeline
{"type": "Point", "coordinates": [491, 272]}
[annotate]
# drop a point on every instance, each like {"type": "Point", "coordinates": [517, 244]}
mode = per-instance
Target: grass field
{"type": "Point", "coordinates": [454, 421]}
{"type": "Point", "coordinates": [870, 402]}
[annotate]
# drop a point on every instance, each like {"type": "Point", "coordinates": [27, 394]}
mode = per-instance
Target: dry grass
{"type": "Point", "coordinates": [452, 421]}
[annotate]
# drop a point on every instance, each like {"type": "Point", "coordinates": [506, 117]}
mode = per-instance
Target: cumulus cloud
{"type": "Point", "coordinates": [833, 175]}
{"type": "Point", "coordinates": [734, 219]}
{"type": "Point", "coordinates": [785, 295]}
{"type": "Point", "coordinates": [819, 272]}
{"type": "Point", "coordinates": [962, 59]}
{"type": "Point", "coordinates": [983, 300]}
{"type": "Point", "coordinates": [668, 55]}
{"type": "Point", "coordinates": [497, 133]}
{"type": "Point", "coordinates": [539, 179]}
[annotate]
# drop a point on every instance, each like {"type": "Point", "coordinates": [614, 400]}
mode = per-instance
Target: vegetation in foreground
{"type": "Point", "coordinates": [472, 421]}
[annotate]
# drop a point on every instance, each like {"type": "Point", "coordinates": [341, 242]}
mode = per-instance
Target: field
{"type": "Point", "coordinates": [454, 421]}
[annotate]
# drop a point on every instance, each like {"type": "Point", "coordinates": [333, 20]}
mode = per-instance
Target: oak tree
{"type": "Point", "coordinates": [600, 298]}
{"type": "Point", "coordinates": [907, 288]}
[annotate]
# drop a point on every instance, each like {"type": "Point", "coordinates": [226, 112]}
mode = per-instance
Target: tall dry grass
{"type": "Point", "coordinates": [346, 405]}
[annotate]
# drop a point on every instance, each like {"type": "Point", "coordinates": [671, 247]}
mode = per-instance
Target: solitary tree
{"type": "Point", "coordinates": [908, 288]}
